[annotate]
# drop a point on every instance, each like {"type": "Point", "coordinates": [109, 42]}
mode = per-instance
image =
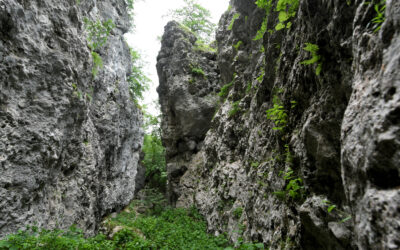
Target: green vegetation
{"type": "Point", "coordinates": [154, 161]}
{"type": "Point", "coordinates": [130, 4]}
{"type": "Point", "coordinates": [98, 33]}
{"type": "Point", "coordinates": [154, 153]}
{"type": "Point", "coordinates": [137, 80]}
{"type": "Point", "coordinates": [315, 58]}
{"type": "Point", "coordinates": [225, 89]}
{"type": "Point", "coordinates": [378, 20]}
{"type": "Point", "coordinates": [33, 238]}
{"type": "Point", "coordinates": [237, 45]}
{"type": "Point", "coordinates": [235, 16]}
{"type": "Point", "coordinates": [160, 227]}
{"type": "Point", "coordinates": [287, 9]}
{"type": "Point", "coordinates": [249, 87]}
{"type": "Point", "coordinates": [235, 108]}
{"type": "Point", "coordinates": [277, 114]}
{"type": "Point", "coordinates": [197, 71]}
{"type": "Point", "coordinates": [293, 189]}
{"type": "Point", "coordinates": [97, 63]}
{"type": "Point", "coordinates": [196, 18]}
{"type": "Point", "coordinates": [267, 6]}
{"type": "Point", "coordinates": [260, 78]}
{"type": "Point", "coordinates": [330, 207]}
{"type": "Point", "coordinates": [238, 212]}
{"type": "Point", "coordinates": [202, 46]}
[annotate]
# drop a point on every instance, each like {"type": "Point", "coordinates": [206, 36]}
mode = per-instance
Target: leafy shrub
{"type": "Point", "coordinates": [293, 189]}
{"type": "Point", "coordinates": [33, 238]}
{"type": "Point", "coordinates": [168, 229]}
{"type": "Point", "coordinates": [277, 114]}
{"type": "Point", "coordinates": [97, 63]}
{"type": "Point", "coordinates": [154, 161]}
{"type": "Point", "coordinates": [286, 9]}
{"type": "Point", "coordinates": [98, 33]}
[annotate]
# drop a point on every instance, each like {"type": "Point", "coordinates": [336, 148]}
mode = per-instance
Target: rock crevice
{"type": "Point", "coordinates": [339, 138]}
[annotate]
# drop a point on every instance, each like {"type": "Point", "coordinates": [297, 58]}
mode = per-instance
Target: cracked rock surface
{"type": "Point", "coordinates": [69, 143]}
{"type": "Point", "coordinates": [341, 136]}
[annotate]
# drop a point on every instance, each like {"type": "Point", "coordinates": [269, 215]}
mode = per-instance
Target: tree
{"type": "Point", "coordinates": [138, 81]}
{"type": "Point", "coordinates": [154, 153]}
{"type": "Point", "coordinates": [196, 18]}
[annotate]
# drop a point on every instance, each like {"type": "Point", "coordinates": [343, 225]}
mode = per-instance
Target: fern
{"type": "Point", "coordinates": [315, 57]}
{"type": "Point", "coordinates": [277, 114]}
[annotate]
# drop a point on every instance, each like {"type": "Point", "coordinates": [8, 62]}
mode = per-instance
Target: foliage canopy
{"type": "Point", "coordinates": [196, 18]}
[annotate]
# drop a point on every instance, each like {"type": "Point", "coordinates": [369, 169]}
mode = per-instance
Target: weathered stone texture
{"type": "Point", "coordinates": [343, 131]}
{"type": "Point", "coordinates": [188, 98]}
{"type": "Point", "coordinates": [69, 144]}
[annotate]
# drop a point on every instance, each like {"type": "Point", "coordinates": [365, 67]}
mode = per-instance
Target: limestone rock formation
{"type": "Point", "coordinates": [188, 97]}
{"type": "Point", "coordinates": [322, 173]}
{"type": "Point", "coordinates": [69, 142]}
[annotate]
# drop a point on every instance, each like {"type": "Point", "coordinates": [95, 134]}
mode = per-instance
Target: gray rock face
{"type": "Point", "coordinates": [342, 132]}
{"type": "Point", "coordinates": [69, 144]}
{"type": "Point", "coordinates": [188, 97]}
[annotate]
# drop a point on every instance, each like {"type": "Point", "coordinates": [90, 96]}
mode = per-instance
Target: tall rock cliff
{"type": "Point", "coordinates": [188, 86]}
{"type": "Point", "coordinates": [69, 142]}
{"type": "Point", "coordinates": [303, 151]}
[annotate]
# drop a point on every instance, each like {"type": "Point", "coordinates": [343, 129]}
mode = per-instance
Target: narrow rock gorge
{"type": "Point", "coordinates": [287, 134]}
{"type": "Point", "coordinates": [70, 139]}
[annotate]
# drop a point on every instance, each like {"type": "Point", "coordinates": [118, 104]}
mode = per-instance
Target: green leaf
{"type": "Point", "coordinates": [283, 16]}
{"type": "Point", "coordinates": [330, 208]}
{"type": "Point", "coordinates": [279, 26]}
{"type": "Point", "coordinates": [346, 219]}
{"type": "Point", "coordinates": [318, 69]}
